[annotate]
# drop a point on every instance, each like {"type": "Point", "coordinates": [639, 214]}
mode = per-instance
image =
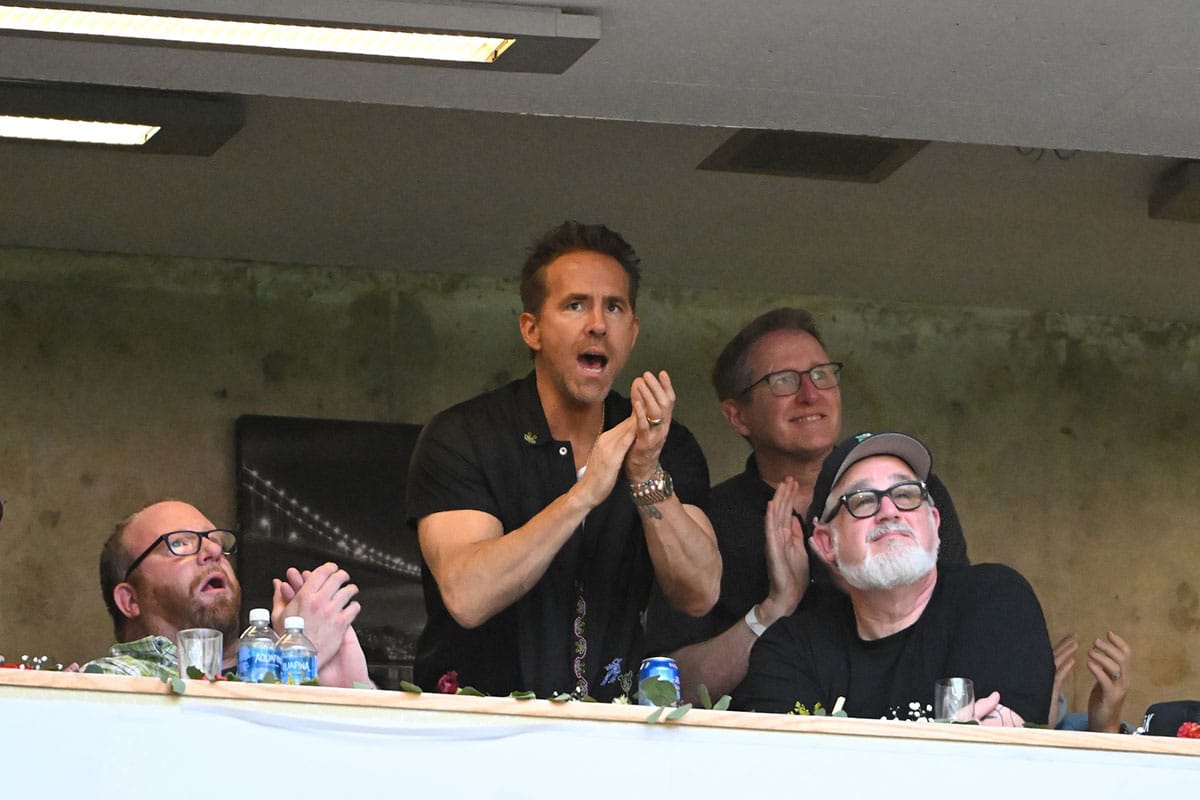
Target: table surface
{"type": "Point", "coordinates": [71, 732]}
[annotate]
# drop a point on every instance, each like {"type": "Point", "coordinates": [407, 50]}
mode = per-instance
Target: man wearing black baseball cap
{"type": "Point", "coordinates": [902, 626]}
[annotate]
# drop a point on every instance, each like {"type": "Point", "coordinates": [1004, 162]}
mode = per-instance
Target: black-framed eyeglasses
{"type": "Point", "coordinates": [187, 543]}
{"type": "Point", "coordinates": [864, 503]}
{"type": "Point", "coordinates": [786, 382]}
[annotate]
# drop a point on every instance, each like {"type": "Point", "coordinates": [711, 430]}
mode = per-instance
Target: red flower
{"type": "Point", "coordinates": [1189, 730]}
{"type": "Point", "coordinates": [448, 683]}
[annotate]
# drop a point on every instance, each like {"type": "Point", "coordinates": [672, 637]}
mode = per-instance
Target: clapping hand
{"type": "Point", "coordinates": [787, 558]}
{"type": "Point", "coordinates": [325, 598]}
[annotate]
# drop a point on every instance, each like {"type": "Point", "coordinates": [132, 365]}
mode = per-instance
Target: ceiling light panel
{"type": "Point", "coordinates": [241, 33]}
{"type": "Point", "coordinates": [480, 36]}
{"type": "Point", "coordinates": [76, 130]}
{"type": "Point", "coordinates": [137, 120]}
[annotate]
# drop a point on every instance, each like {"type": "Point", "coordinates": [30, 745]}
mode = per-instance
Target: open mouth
{"type": "Point", "coordinates": [214, 583]}
{"type": "Point", "coordinates": [593, 362]}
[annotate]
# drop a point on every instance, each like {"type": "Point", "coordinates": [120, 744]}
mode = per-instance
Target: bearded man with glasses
{"type": "Point", "coordinates": [166, 568]}
{"type": "Point", "coordinates": [903, 626]}
{"type": "Point", "coordinates": [780, 391]}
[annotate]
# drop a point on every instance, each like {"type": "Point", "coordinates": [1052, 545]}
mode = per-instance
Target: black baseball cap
{"type": "Point", "coordinates": [864, 445]}
{"type": "Point", "coordinates": [1164, 719]}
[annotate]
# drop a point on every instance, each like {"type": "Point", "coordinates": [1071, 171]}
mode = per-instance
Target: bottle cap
{"type": "Point", "coordinates": [294, 622]}
{"type": "Point", "coordinates": [260, 615]}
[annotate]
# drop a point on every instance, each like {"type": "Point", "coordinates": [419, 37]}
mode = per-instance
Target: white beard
{"type": "Point", "coordinates": [900, 564]}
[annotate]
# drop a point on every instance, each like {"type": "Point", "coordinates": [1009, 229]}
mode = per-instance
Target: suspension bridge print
{"type": "Point", "coordinates": [317, 490]}
{"type": "Point", "coordinates": [289, 520]}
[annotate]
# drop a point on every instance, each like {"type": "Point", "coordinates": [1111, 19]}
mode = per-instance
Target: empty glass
{"type": "Point", "coordinates": [954, 700]}
{"type": "Point", "coordinates": [201, 648]}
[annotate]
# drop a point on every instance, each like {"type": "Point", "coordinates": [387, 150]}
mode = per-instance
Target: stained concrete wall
{"type": "Point", "coordinates": [1070, 443]}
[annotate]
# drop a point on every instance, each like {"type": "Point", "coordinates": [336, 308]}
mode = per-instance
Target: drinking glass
{"type": "Point", "coordinates": [201, 648]}
{"type": "Point", "coordinates": [954, 700]}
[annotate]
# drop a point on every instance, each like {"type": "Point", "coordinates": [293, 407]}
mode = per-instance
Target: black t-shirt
{"type": "Point", "coordinates": [982, 622]}
{"type": "Point", "coordinates": [494, 453]}
{"type": "Point", "coordinates": [737, 509]}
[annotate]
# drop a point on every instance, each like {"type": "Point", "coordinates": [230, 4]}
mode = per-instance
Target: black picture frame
{"type": "Point", "coordinates": [317, 490]}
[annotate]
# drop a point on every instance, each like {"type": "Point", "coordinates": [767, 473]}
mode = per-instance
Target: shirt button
{"type": "Point", "coordinates": [562, 451]}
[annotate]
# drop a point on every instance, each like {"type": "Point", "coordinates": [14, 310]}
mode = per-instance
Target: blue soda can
{"type": "Point", "coordinates": [663, 668]}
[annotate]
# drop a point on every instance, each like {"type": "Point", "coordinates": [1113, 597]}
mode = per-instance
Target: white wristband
{"type": "Point", "coordinates": [752, 620]}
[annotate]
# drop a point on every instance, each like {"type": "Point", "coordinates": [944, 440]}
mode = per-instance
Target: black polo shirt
{"type": "Point", "coordinates": [494, 453]}
{"type": "Point", "coordinates": [737, 509]}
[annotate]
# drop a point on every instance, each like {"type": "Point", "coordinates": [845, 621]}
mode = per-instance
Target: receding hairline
{"type": "Point", "coordinates": [121, 530]}
{"type": "Point", "coordinates": [731, 371]}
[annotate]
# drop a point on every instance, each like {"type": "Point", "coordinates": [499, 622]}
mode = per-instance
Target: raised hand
{"type": "Point", "coordinates": [605, 460]}
{"type": "Point", "coordinates": [787, 556]}
{"type": "Point", "coordinates": [1064, 662]}
{"type": "Point", "coordinates": [653, 400]}
{"type": "Point", "coordinates": [1108, 661]}
{"type": "Point", "coordinates": [325, 598]}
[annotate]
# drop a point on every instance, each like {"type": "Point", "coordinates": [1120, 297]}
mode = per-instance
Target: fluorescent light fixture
{"type": "Point", "coordinates": [133, 120]}
{"type": "Point", "coordinates": [243, 33]}
{"type": "Point", "coordinates": [76, 130]}
{"type": "Point", "coordinates": [479, 36]}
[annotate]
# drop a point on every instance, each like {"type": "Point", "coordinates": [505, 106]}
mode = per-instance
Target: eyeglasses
{"type": "Point", "coordinates": [786, 382]}
{"type": "Point", "coordinates": [187, 543]}
{"type": "Point", "coordinates": [864, 503]}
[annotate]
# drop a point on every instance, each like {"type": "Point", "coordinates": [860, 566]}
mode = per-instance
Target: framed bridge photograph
{"type": "Point", "coordinates": [317, 490]}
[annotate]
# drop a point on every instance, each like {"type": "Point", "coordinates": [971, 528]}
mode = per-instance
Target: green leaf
{"type": "Point", "coordinates": [177, 685]}
{"type": "Point", "coordinates": [518, 695]}
{"type": "Point", "coordinates": [470, 691]}
{"type": "Point", "coordinates": [723, 703]}
{"type": "Point", "coordinates": [655, 714]}
{"type": "Point", "coordinates": [363, 685]}
{"type": "Point", "coordinates": [313, 682]}
{"type": "Point", "coordinates": [705, 698]}
{"type": "Point", "coordinates": [411, 688]}
{"type": "Point", "coordinates": [195, 673]}
{"type": "Point", "coordinates": [676, 713]}
{"type": "Point", "coordinates": [658, 691]}
{"type": "Point", "coordinates": [561, 697]}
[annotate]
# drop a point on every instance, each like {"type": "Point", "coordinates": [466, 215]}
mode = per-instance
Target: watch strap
{"type": "Point", "coordinates": [655, 489]}
{"type": "Point", "coordinates": [752, 620]}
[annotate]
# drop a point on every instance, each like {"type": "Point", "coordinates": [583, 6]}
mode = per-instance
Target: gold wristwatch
{"type": "Point", "coordinates": [655, 489]}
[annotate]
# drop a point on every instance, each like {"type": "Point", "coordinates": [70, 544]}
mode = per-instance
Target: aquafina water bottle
{"type": "Point", "coordinates": [258, 649]}
{"type": "Point", "coordinates": [297, 654]}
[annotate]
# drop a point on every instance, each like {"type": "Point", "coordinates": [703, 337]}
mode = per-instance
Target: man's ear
{"type": "Point", "coordinates": [822, 544]}
{"type": "Point", "coordinates": [733, 415]}
{"type": "Point", "coordinates": [126, 599]}
{"type": "Point", "coordinates": [530, 332]}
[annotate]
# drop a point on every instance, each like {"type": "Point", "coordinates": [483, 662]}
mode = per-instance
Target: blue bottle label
{"type": "Point", "coordinates": [297, 666]}
{"type": "Point", "coordinates": [256, 661]}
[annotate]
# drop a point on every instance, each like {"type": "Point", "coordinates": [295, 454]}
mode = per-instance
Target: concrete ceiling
{"type": "Point", "coordinates": [426, 168]}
